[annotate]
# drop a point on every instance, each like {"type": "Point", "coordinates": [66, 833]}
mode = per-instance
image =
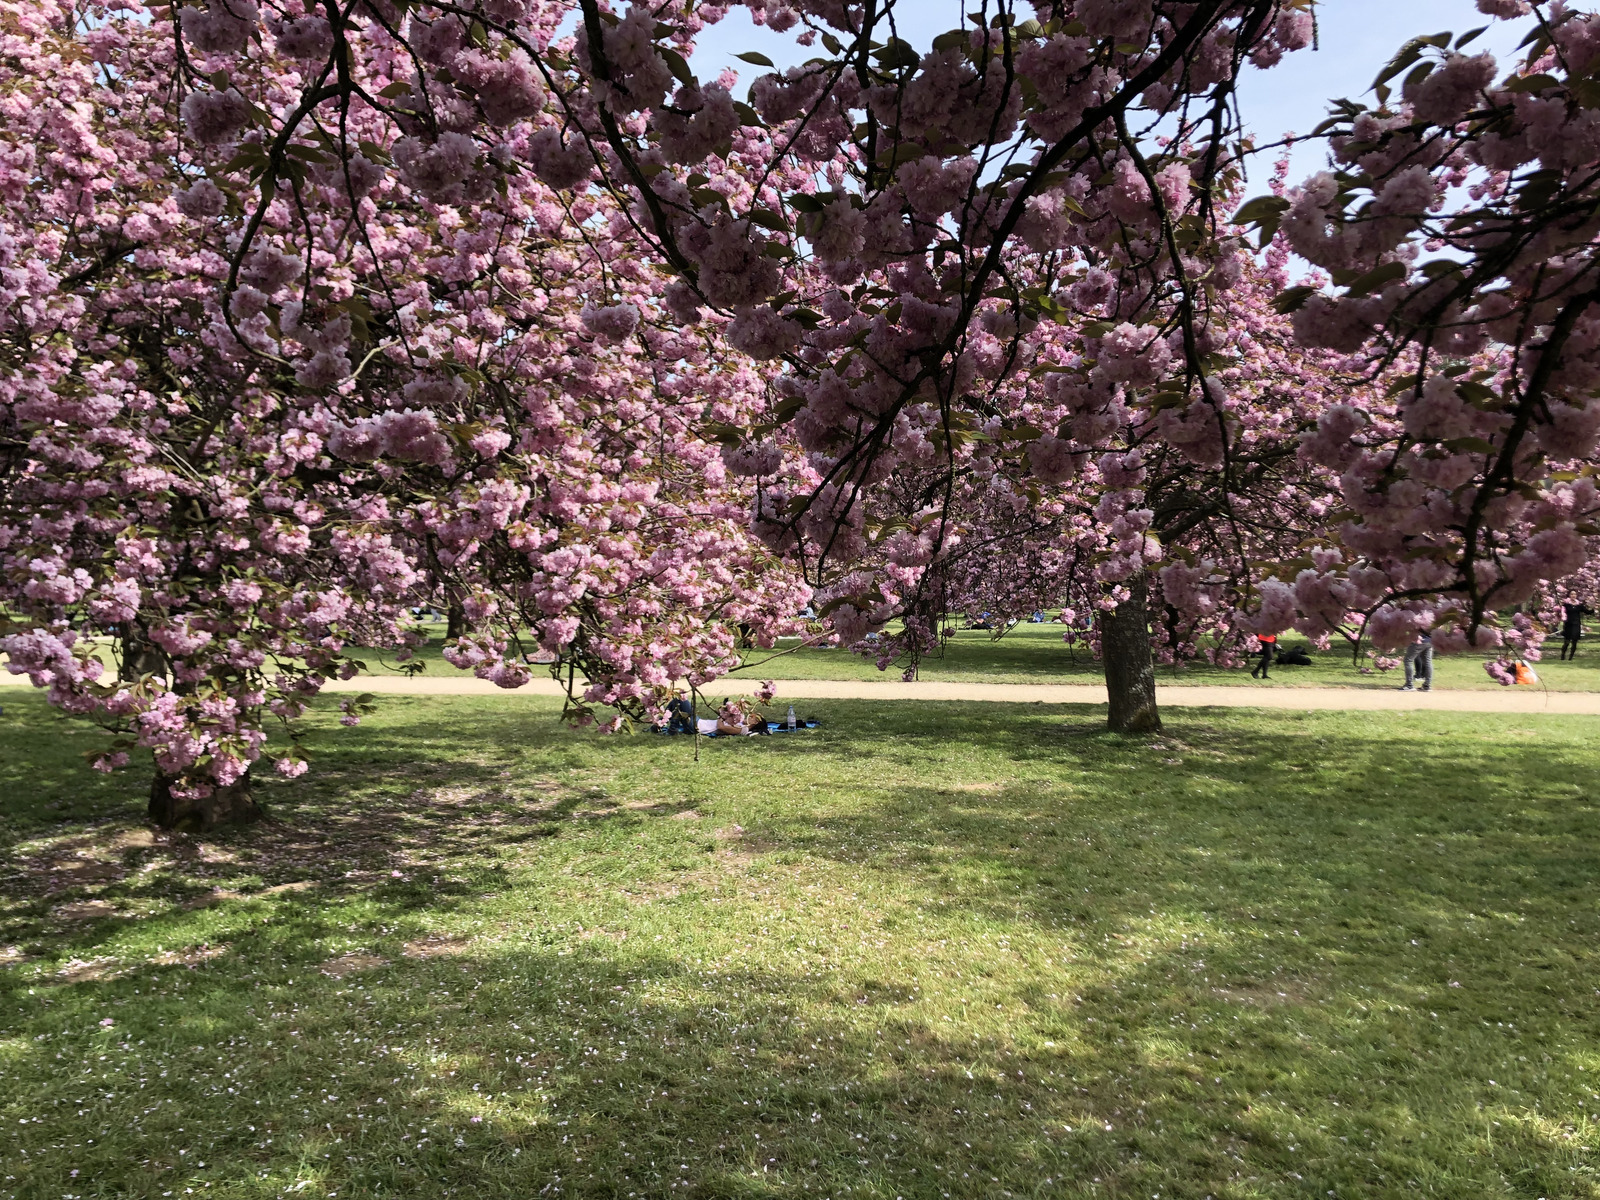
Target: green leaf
{"type": "Point", "coordinates": [898, 54]}
{"type": "Point", "coordinates": [756, 58]}
{"type": "Point", "coordinates": [1287, 301]}
{"type": "Point", "coordinates": [1474, 444]}
{"type": "Point", "coordinates": [748, 115]}
{"type": "Point", "coordinates": [1532, 83]}
{"type": "Point", "coordinates": [1420, 72]}
{"type": "Point", "coordinates": [1253, 212]}
{"type": "Point", "coordinates": [1408, 54]}
{"type": "Point", "coordinates": [675, 64]}
{"type": "Point", "coordinates": [1469, 36]}
{"type": "Point", "coordinates": [834, 45]}
{"type": "Point", "coordinates": [727, 435]}
{"type": "Point", "coordinates": [308, 153]}
{"type": "Point", "coordinates": [955, 39]}
{"type": "Point", "coordinates": [767, 219]}
{"type": "Point", "coordinates": [804, 202]}
{"type": "Point", "coordinates": [1373, 280]}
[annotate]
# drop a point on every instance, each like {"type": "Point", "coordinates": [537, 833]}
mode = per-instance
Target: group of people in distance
{"type": "Point", "coordinates": [1418, 658]}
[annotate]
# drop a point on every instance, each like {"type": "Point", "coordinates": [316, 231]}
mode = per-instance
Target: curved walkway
{"type": "Point", "coordinates": [1510, 700]}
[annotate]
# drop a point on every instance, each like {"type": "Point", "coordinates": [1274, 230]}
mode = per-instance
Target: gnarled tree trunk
{"type": "Point", "coordinates": [455, 622]}
{"type": "Point", "coordinates": [231, 805]}
{"type": "Point", "coordinates": [1130, 670]}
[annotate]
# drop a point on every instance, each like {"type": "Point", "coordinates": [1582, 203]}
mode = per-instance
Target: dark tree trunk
{"type": "Point", "coordinates": [455, 622]}
{"type": "Point", "coordinates": [1130, 670]}
{"type": "Point", "coordinates": [139, 657]}
{"type": "Point", "coordinates": [231, 805]}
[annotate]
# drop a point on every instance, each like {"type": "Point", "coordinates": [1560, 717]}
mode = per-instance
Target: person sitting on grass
{"type": "Point", "coordinates": [732, 721]}
{"type": "Point", "coordinates": [680, 714]}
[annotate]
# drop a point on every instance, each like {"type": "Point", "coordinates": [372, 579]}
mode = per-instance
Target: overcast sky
{"type": "Point", "coordinates": [1356, 38]}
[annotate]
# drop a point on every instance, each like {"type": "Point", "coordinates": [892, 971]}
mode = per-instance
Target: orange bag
{"type": "Point", "coordinates": [1523, 673]}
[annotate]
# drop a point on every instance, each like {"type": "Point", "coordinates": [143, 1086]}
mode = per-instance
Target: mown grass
{"type": "Point", "coordinates": [925, 951]}
{"type": "Point", "coordinates": [1036, 654]}
{"type": "Point", "coordinates": [1032, 653]}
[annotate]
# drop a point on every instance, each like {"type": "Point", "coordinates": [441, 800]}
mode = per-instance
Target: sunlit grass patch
{"type": "Point", "coordinates": [923, 950]}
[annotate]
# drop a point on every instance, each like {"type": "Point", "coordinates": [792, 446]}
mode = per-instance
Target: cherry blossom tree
{"type": "Point", "coordinates": [882, 226]}
{"type": "Point", "coordinates": [319, 311]}
{"type": "Point", "coordinates": [1467, 480]}
{"type": "Point", "coordinates": [239, 441]}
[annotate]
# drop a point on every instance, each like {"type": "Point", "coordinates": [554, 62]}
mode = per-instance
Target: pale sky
{"type": "Point", "coordinates": [1356, 38]}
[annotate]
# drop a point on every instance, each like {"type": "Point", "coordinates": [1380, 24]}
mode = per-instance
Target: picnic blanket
{"type": "Point", "coordinates": [708, 728]}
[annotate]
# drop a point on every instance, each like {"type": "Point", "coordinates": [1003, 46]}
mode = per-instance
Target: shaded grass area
{"type": "Point", "coordinates": [925, 951]}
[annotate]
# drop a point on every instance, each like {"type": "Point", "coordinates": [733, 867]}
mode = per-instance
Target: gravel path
{"type": "Point", "coordinates": [1513, 700]}
{"type": "Point", "coordinates": [1510, 700]}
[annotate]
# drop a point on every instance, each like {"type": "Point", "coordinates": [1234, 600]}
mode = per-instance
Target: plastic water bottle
{"type": "Point", "coordinates": [791, 718]}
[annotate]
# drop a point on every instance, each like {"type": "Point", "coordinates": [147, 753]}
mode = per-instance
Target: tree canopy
{"type": "Point", "coordinates": [314, 315]}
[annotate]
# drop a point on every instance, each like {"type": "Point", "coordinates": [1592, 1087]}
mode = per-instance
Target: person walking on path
{"type": "Point", "coordinates": [1269, 643]}
{"type": "Point", "coordinates": [1419, 664]}
{"type": "Point", "coordinates": [1571, 628]}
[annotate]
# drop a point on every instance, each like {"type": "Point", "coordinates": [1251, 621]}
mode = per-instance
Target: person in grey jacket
{"type": "Point", "coordinates": [1419, 664]}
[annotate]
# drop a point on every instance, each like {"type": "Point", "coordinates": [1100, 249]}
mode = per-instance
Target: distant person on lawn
{"type": "Point", "coordinates": [1419, 664]}
{"type": "Point", "coordinates": [1571, 628]}
{"type": "Point", "coordinates": [1269, 643]}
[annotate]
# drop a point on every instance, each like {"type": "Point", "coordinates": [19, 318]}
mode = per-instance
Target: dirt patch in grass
{"type": "Point", "coordinates": [299, 885]}
{"type": "Point", "coordinates": [188, 956]}
{"type": "Point", "coordinates": [88, 970]}
{"type": "Point", "coordinates": [351, 964]}
{"type": "Point", "coordinates": [1267, 994]}
{"type": "Point", "coordinates": [84, 910]}
{"type": "Point", "coordinates": [437, 946]}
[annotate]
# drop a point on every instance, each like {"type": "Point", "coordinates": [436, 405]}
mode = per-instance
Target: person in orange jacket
{"type": "Point", "coordinates": [1269, 643]}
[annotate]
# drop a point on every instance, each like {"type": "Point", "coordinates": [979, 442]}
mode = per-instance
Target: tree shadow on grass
{"type": "Point", "coordinates": [1317, 955]}
{"type": "Point", "coordinates": [501, 1070]}
{"type": "Point", "coordinates": [1382, 961]}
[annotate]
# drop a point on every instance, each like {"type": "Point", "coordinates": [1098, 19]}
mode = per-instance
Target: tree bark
{"type": "Point", "coordinates": [455, 622]}
{"type": "Point", "coordinates": [1130, 669]}
{"type": "Point", "coordinates": [139, 657]}
{"type": "Point", "coordinates": [231, 805]}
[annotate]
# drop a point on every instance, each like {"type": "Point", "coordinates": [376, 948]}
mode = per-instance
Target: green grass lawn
{"type": "Point", "coordinates": [1036, 654]}
{"type": "Point", "coordinates": [925, 951]}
